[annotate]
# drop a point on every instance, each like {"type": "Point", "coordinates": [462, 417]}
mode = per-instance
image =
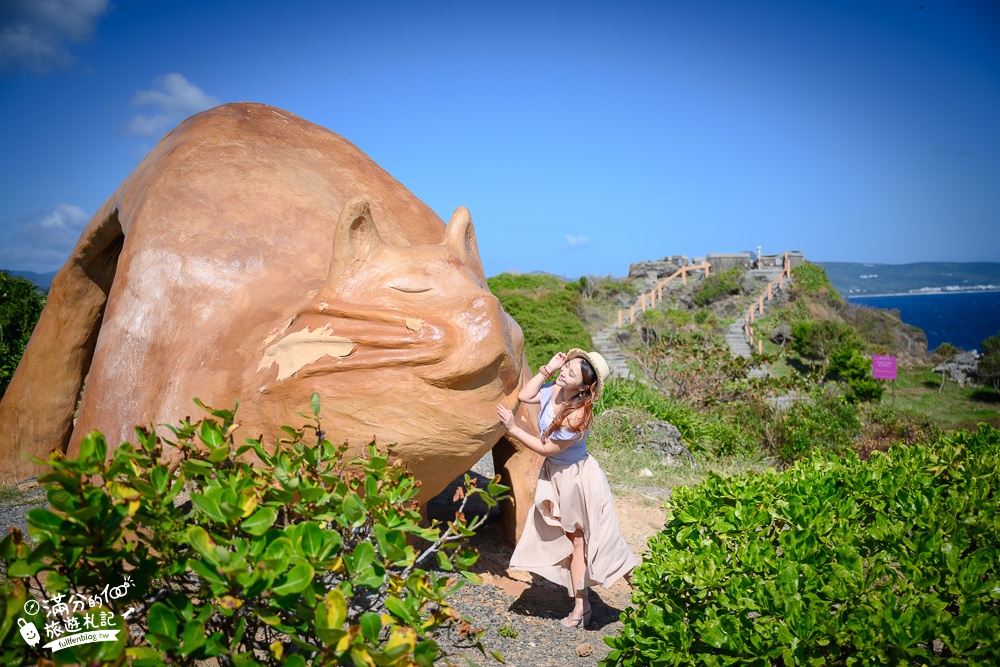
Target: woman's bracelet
{"type": "Point", "coordinates": [544, 370]}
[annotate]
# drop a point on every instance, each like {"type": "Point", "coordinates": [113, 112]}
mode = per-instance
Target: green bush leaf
{"type": "Point", "coordinates": [211, 434]}
{"type": "Point", "coordinates": [371, 626]}
{"type": "Point", "coordinates": [330, 616]}
{"type": "Point", "coordinates": [354, 510]}
{"type": "Point", "coordinates": [162, 623]}
{"type": "Point", "coordinates": [362, 557]}
{"type": "Point", "coordinates": [295, 580]}
{"type": "Point", "coordinates": [209, 504]}
{"type": "Point", "coordinates": [260, 521]}
{"type": "Point", "coordinates": [42, 521]}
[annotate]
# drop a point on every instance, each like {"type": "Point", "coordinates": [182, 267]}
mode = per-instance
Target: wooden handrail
{"type": "Point", "coordinates": [655, 295]}
{"type": "Point", "coordinates": [758, 305]}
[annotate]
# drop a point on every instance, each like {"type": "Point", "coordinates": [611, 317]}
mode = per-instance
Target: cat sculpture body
{"type": "Point", "coordinates": [257, 257]}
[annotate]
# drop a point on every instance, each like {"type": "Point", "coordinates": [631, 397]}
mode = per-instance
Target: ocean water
{"type": "Point", "coordinates": [964, 319]}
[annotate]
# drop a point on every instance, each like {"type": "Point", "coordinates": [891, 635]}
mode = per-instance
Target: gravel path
{"type": "Point", "coordinates": [14, 513]}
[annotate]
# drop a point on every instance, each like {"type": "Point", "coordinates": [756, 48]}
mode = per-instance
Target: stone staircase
{"type": "Point", "coordinates": [737, 339]}
{"type": "Point", "coordinates": [606, 342]}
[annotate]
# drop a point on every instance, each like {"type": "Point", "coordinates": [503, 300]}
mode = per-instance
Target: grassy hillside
{"type": "Point", "coordinates": [728, 421]}
{"type": "Point", "coordinates": [548, 309]}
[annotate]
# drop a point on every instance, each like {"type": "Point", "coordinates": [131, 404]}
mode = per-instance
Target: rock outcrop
{"type": "Point", "coordinates": [963, 368]}
{"type": "Point", "coordinates": [663, 439]}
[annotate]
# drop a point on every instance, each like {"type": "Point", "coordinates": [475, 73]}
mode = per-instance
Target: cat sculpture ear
{"type": "Point", "coordinates": [460, 237]}
{"type": "Point", "coordinates": [354, 240]}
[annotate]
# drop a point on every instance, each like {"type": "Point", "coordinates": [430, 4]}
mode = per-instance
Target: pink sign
{"type": "Point", "coordinates": [883, 367]}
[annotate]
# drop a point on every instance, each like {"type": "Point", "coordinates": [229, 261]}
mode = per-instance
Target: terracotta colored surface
{"type": "Point", "coordinates": [255, 256]}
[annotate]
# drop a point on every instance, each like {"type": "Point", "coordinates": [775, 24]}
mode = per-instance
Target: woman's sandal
{"type": "Point", "coordinates": [578, 622]}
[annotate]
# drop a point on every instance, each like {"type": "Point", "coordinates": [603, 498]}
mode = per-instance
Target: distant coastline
{"type": "Point", "coordinates": [963, 318]}
{"type": "Point", "coordinates": [853, 279]}
{"type": "Point", "coordinates": [929, 291]}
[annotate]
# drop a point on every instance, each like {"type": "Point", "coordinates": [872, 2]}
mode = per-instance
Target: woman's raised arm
{"type": "Point", "coordinates": [529, 392]}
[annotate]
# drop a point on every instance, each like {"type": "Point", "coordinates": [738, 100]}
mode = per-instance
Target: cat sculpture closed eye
{"type": "Point", "coordinates": [255, 256]}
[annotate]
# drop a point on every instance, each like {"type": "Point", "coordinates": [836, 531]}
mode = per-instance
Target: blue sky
{"type": "Point", "coordinates": [582, 136]}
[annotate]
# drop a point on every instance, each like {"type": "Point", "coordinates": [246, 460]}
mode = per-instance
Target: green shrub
{"type": "Point", "coordinates": [301, 557]}
{"type": "Point", "coordinates": [705, 318]}
{"type": "Point", "coordinates": [508, 631]}
{"type": "Point", "coordinates": [21, 303]}
{"type": "Point", "coordinates": [944, 352]}
{"type": "Point", "coordinates": [717, 286]}
{"type": "Point", "coordinates": [831, 562]}
{"type": "Point", "coordinates": [816, 340]}
{"type": "Point", "coordinates": [989, 364]}
{"type": "Point", "coordinates": [849, 365]}
{"type": "Point", "coordinates": [678, 318]}
{"type": "Point", "coordinates": [606, 290]}
{"type": "Point", "coordinates": [654, 317]}
{"type": "Point", "coordinates": [529, 283]}
{"type": "Point", "coordinates": [746, 427]}
{"type": "Point", "coordinates": [885, 426]}
{"type": "Point", "coordinates": [666, 319]}
{"type": "Point", "coordinates": [547, 310]}
{"type": "Point", "coordinates": [825, 423]}
{"type": "Point", "coordinates": [812, 278]}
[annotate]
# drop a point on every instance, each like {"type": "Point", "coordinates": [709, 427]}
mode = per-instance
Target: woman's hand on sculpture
{"type": "Point", "coordinates": [506, 417]}
{"type": "Point", "coordinates": [556, 362]}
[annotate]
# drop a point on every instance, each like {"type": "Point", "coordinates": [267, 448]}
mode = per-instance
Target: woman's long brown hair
{"type": "Point", "coordinates": [584, 399]}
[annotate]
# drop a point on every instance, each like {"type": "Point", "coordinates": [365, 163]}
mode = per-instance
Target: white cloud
{"type": "Point", "coordinates": [42, 241]}
{"type": "Point", "coordinates": [35, 34]}
{"type": "Point", "coordinates": [173, 98]}
{"type": "Point", "coordinates": [576, 241]}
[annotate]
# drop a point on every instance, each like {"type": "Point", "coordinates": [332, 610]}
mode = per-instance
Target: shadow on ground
{"type": "Point", "coordinates": [541, 601]}
{"type": "Point", "coordinates": [986, 396]}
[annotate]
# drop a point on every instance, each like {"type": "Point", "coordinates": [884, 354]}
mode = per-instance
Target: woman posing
{"type": "Point", "coordinates": [571, 536]}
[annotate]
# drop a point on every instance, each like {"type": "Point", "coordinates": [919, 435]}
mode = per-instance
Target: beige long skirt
{"type": "Point", "coordinates": [570, 498]}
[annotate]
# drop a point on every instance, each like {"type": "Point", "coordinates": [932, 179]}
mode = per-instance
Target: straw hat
{"type": "Point", "coordinates": [597, 361]}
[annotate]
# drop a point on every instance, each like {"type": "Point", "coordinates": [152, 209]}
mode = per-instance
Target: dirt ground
{"type": "Point", "coordinates": [519, 613]}
{"type": "Point", "coordinates": [638, 517]}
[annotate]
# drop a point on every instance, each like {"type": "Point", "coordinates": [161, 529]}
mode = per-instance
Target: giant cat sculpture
{"type": "Point", "coordinates": [255, 256]}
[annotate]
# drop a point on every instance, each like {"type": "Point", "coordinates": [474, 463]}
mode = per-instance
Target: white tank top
{"type": "Point", "coordinates": [575, 452]}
